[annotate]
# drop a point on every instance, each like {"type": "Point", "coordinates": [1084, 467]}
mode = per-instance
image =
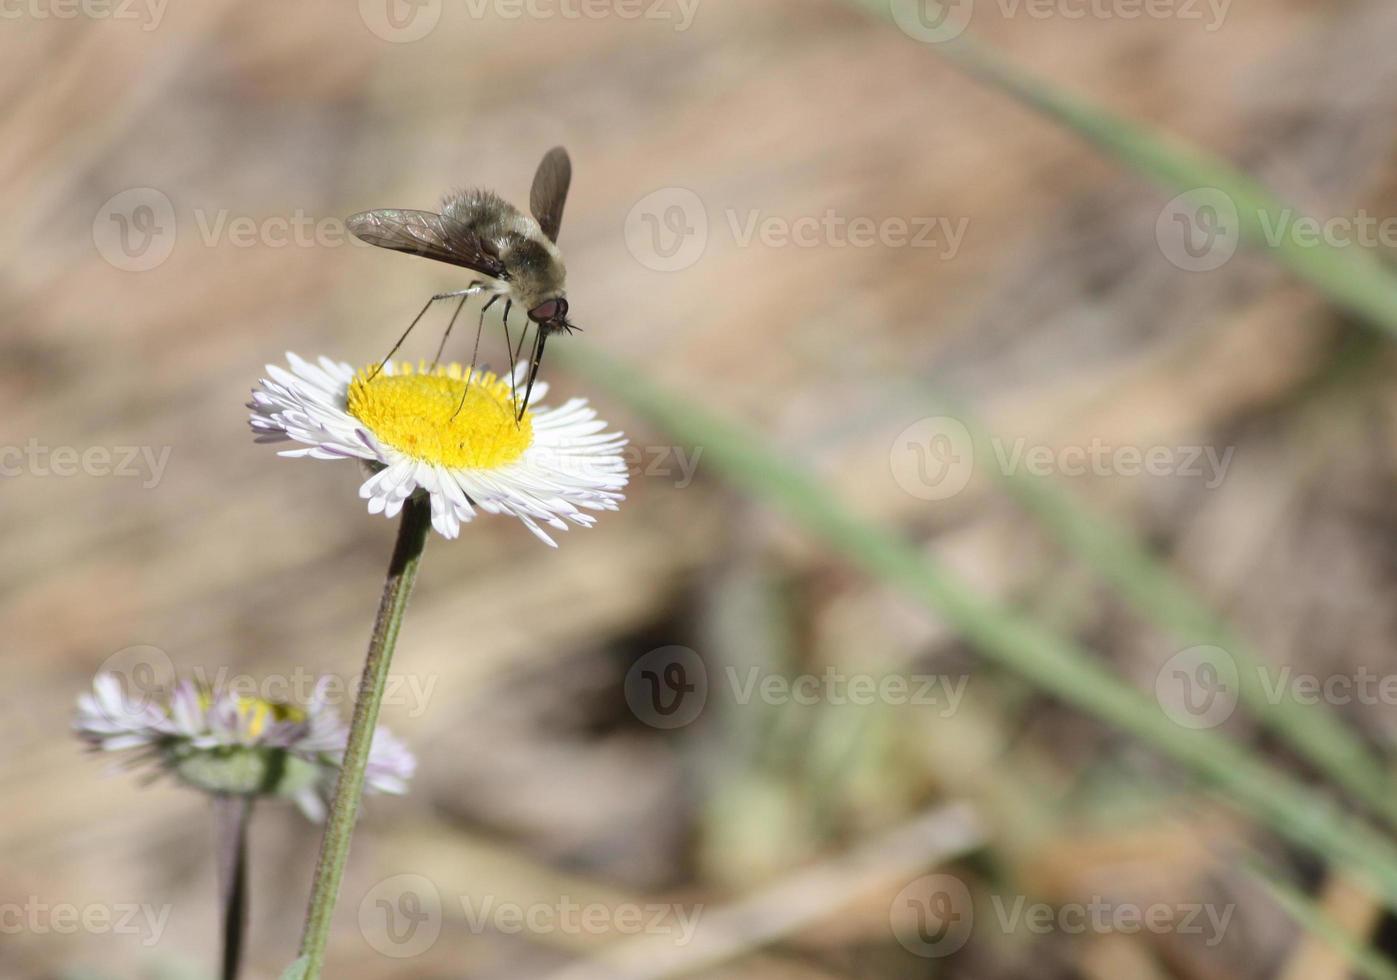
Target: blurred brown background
{"type": "Point", "coordinates": [242, 133]}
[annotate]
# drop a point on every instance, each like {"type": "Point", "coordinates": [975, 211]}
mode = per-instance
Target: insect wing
{"type": "Point", "coordinates": [424, 233]}
{"type": "Point", "coordinates": [550, 191]}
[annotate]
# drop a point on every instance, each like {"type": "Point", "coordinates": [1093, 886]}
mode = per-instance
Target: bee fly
{"type": "Point", "coordinates": [480, 231]}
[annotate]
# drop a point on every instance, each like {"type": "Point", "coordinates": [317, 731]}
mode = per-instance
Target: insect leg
{"type": "Point", "coordinates": [509, 349]}
{"type": "Point", "coordinates": [449, 324]}
{"type": "Point", "coordinates": [480, 327]}
{"type": "Point", "coordinates": [514, 356]}
{"type": "Point", "coordinates": [475, 353]}
{"type": "Point", "coordinates": [419, 316]}
{"type": "Point", "coordinates": [465, 294]}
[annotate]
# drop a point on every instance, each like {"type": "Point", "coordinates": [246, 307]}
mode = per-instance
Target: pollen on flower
{"type": "Point", "coordinates": [414, 410]}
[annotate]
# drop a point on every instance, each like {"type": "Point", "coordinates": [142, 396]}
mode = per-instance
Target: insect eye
{"type": "Point", "coordinates": [549, 310]}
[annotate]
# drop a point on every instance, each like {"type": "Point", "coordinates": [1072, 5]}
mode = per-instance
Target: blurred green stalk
{"type": "Point", "coordinates": [1054, 664]}
{"type": "Point", "coordinates": [1365, 961]}
{"type": "Point", "coordinates": [1313, 730]}
{"type": "Point", "coordinates": [1352, 278]}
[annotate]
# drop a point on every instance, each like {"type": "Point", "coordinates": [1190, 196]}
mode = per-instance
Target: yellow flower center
{"type": "Point", "coordinates": [256, 712]}
{"type": "Point", "coordinates": [420, 412]}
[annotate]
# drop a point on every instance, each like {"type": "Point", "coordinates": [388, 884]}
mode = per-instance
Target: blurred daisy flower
{"type": "Point", "coordinates": [228, 744]}
{"type": "Point", "coordinates": [422, 427]}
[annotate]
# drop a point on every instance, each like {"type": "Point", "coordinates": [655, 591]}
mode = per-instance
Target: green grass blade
{"type": "Point", "coordinates": [1365, 961]}
{"type": "Point", "coordinates": [1157, 593]}
{"type": "Point", "coordinates": [1052, 663]}
{"type": "Point", "coordinates": [1352, 278]}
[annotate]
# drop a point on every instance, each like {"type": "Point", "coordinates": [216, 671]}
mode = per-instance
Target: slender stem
{"type": "Point", "coordinates": [344, 811]}
{"type": "Point", "coordinates": [231, 816]}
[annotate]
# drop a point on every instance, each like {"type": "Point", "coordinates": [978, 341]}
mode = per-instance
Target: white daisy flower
{"type": "Point", "coordinates": [229, 744]}
{"type": "Point", "coordinates": [425, 428]}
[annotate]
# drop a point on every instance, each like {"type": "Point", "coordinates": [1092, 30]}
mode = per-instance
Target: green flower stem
{"type": "Point", "coordinates": [413, 529]}
{"type": "Point", "coordinates": [231, 816]}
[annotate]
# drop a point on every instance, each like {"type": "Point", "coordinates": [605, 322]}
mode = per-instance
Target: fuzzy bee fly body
{"type": "Point", "coordinates": [480, 231]}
